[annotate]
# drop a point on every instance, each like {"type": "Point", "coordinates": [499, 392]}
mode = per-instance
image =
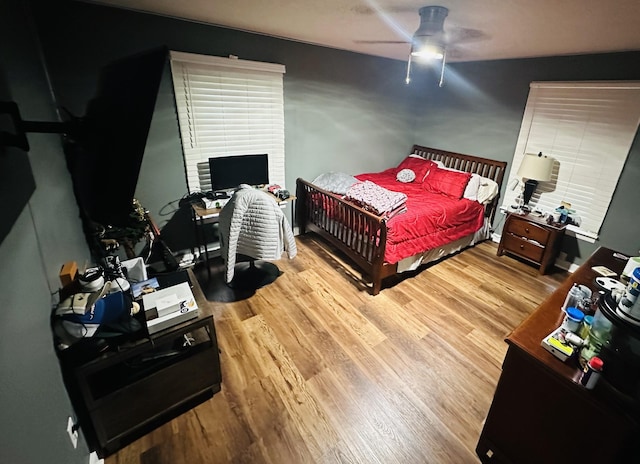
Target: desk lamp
{"type": "Point", "coordinates": [534, 168]}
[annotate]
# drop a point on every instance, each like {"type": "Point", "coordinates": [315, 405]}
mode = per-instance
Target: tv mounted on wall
{"type": "Point", "coordinates": [104, 148]}
{"type": "Point", "coordinates": [105, 161]}
{"type": "Point", "coordinates": [227, 172]}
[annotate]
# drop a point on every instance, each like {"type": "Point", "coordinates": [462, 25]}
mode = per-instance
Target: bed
{"type": "Point", "coordinates": [438, 223]}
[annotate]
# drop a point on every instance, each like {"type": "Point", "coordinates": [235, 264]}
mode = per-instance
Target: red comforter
{"type": "Point", "coordinates": [431, 219]}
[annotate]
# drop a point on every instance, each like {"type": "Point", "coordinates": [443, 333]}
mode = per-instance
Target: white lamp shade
{"type": "Point", "coordinates": [536, 167]}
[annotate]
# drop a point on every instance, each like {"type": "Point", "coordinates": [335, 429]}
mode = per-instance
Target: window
{"type": "Point", "coordinates": [228, 107]}
{"type": "Point", "coordinates": [588, 128]}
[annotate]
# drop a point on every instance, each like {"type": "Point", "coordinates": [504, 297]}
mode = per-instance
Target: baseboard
{"type": "Point", "coordinates": [562, 263]}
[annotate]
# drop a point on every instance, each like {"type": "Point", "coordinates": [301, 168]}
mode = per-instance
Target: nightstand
{"type": "Point", "coordinates": [531, 239]}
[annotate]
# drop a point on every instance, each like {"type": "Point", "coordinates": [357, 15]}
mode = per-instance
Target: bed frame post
{"type": "Point", "coordinates": [301, 207]}
{"type": "Point", "coordinates": [378, 260]}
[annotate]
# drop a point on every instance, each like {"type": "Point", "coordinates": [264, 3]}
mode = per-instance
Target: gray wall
{"type": "Point", "coordinates": [33, 400]}
{"type": "Point", "coordinates": [479, 111]}
{"type": "Point", "coordinates": [343, 111]}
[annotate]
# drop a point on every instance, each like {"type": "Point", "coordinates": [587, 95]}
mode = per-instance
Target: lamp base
{"type": "Point", "coordinates": [529, 187]}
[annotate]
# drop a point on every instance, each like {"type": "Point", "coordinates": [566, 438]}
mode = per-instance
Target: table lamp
{"type": "Point", "coordinates": [534, 168]}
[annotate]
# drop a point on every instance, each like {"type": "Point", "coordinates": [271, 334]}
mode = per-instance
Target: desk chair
{"type": "Point", "coordinates": [253, 226]}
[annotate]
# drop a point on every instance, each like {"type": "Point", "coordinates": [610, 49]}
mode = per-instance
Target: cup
{"type": "Point", "coordinates": [632, 265]}
{"type": "Point", "coordinates": [629, 305]}
{"type": "Point", "coordinates": [576, 297]}
{"type": "Point", "coordinates": [572, 320]}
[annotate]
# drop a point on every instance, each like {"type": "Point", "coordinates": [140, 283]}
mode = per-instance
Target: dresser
{"type": "Point", "coordinates": [532, 239]}
{"type": "Point", "coordinates": [540, 413]}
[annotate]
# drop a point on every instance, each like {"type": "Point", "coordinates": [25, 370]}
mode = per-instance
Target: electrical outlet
{"type": "Point", "coordinates": [73, 433]}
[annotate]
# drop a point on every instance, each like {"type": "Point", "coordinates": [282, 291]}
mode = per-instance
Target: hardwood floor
{"type": "Point", "coordinates": [316, 370]}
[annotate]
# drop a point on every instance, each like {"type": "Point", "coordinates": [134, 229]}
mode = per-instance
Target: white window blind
{"type": "Point", "coordinates": [228, 107]}
{"type": "Point", "coordinates": [588, 128]}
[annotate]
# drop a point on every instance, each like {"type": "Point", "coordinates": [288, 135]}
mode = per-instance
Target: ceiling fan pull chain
{"type": "Point", "coordinates": [408, 79]}
{"type": "Point", "coordinates": [444, 59]}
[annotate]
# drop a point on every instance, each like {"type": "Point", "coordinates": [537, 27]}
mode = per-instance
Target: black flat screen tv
{"type": "Point", "coordinates": [227, 172]}
{"type": "Point", "coordinates": [105, 158]}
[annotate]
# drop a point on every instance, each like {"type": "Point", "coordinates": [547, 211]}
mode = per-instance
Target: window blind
{"type": "Point", "coordinates": [228, 107]}
{"type": "Point", "coordinates": [588, 128]}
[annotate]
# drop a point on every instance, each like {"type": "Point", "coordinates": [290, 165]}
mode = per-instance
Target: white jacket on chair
{"type": "Point", "coordinates": [253, 224]}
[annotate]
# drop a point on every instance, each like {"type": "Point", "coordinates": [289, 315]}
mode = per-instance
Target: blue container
{"type": "Point", "coordinates": [573, 319]}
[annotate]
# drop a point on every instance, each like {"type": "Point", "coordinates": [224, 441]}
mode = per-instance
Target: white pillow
{"type": "Point", "coordinates": [487, 190]}
{"type": "Point", "coordinates": [471, 190]}
{"type": "Point", "coordinates": [406, 176]}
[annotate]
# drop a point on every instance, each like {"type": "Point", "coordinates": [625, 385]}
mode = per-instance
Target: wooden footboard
{"type": "Point", "coordinates": [362, 235]}
{"type": "Point", "coordinates": [356, 232]}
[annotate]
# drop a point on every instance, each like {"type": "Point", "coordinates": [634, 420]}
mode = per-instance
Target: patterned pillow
{"type": "Point", "coordinates": [406, 176]}
{"type": "Point", "coordinates": [419, 166]}
{"type": "Point", "coordinates": [450, 183]}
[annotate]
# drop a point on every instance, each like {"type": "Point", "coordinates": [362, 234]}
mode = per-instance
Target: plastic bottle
{"type": "Point", "coordinates": [583, 332]}
{"type": "Point", "coordinates": [572, 319]}
{"type": "Point", "coordinates": [573, 296]}
{"type": "Point", "coordinates": [591, 373]}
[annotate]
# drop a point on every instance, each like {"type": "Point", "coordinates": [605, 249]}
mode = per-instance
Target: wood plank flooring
{"type": "Point", "coordinates": [316, 370]}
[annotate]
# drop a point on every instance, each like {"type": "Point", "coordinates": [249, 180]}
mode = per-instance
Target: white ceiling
{"type": "Point", "coordinates": [480, 29]}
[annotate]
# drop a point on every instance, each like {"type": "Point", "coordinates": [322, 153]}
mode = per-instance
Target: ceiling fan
{"type": "Point", "coordinates": [430, 41]}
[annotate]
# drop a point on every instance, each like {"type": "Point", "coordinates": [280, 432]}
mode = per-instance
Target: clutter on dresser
{"type": "Point", "coordinates": [602, 405]}
{"type": "Point", "coordinates": [600, 329]}
{"type": "Point", "coordinates": [633, 263]}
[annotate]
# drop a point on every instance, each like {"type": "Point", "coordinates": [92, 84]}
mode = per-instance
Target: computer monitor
{"type": "Point", "coordinates": [228, 172]}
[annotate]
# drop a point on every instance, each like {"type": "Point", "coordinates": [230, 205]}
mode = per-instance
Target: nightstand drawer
{"type": "Point", "coordinates": [523, 247]}
{"type": "Point", "coordinates": [524, 228]}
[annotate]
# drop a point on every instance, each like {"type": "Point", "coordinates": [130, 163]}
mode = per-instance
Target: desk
{"type": "Point", "coordinates": [540, 413]}
{"type": "Point", "coordinates": [202, 216]}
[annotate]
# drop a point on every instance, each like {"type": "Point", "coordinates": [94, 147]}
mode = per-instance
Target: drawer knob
{"type": "Point", "coordinates": [522, 247]}
{"type": "Point", "coordinates": [526, 229]}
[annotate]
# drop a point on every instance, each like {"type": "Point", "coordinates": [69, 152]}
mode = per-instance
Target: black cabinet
{"type": "Point", "coordinates": [126, 392]}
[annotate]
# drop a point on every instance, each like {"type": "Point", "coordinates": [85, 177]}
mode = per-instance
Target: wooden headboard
{"type": "Point", "coordinates": [484, 167]}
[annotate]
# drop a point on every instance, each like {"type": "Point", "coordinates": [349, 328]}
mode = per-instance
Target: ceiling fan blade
{"type": "Point", "coordinates": [381, 41]}
{"type": "Point", "coordinates": [465, 35]}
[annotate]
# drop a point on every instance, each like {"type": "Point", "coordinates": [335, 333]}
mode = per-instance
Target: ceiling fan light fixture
{"type": "Point", "coordinates": [428, 42]}
{"type": "Point", "coordinates": [427, 49]}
